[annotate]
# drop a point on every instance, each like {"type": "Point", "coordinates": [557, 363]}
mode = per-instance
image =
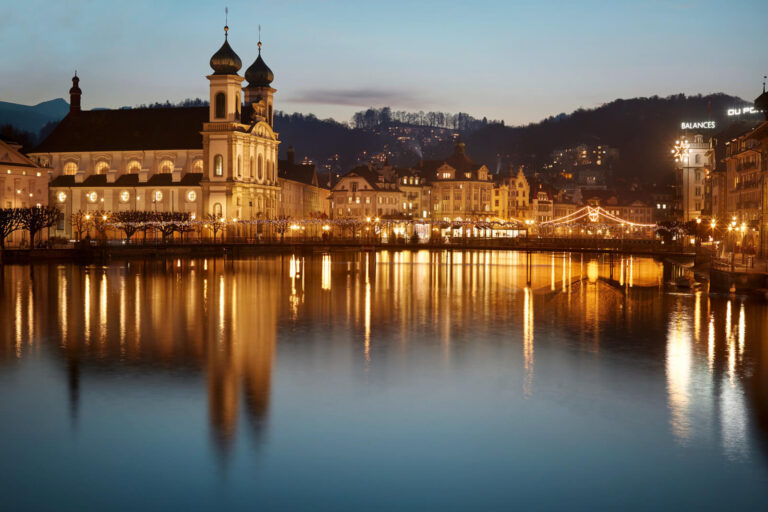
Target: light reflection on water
{"type": "Point", "coordinates": [429, 369]}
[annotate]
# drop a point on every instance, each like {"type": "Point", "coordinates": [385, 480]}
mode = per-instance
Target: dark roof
{"type": "Point", "coordinates": [128, 180]}
{"type": "Point", "coordinates": [127, 130]}
{"type": "Point", "coordinates": [374, 179]}
{"type": "Point", "coordinates": [303, 173]}
{"type": "Point", "coordinates": [458, 160]}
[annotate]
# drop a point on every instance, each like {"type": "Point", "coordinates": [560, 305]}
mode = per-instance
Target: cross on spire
{"type": "Point", "coordinates": [226, 22]}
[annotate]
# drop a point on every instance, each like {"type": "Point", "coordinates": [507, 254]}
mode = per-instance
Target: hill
{"type": "Point", "coordinates": [32, 118]}
{"type": "Point", "coordinates": [642, 129]}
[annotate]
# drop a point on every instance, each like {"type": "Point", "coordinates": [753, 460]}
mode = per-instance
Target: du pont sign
{"type": "Point", "coordinates": [697, 125]}
{"type": "Point", "coordinates": [742, 111]}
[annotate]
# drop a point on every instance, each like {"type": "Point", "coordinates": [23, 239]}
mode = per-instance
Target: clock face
{"type": "Point", "coordinates": [191, 196]}
{"type": "Point", "coordinates": [125, 196]}
{"type": "Point", "coordinates": [62, 196]}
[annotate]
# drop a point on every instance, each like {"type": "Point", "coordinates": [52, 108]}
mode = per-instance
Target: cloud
{"type": "Point", "coordinates": [363, 97]}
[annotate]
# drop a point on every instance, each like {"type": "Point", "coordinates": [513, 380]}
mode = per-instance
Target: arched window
{"type": "Point", "coordinates": [250, 168]}
{"type": "Point", "coordinates": [133, 167]}
{"type": "Point", "coordinates": [261, 168]}
{"type": "Point", "coordinates": [217, 210]}
{"type": "Point", "coordinates": [218, 165]}
{"type": "Point", "coordinates": [197, 165]}
{"type": "Point", "coordinates": [101, 167]}
{"type": "Point", "coordinates": [698, 159]}
{"type": "Point", "coordinates": [70, 168]}
{"type": "Point", "coordinates": [166, 167]}
{"type": "Point", "coordinates": [239, 171]}
{"type": "Point", "coordinates": [220, 106]}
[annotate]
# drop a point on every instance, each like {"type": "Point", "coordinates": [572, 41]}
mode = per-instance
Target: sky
{"type": "Point", "coordinates": [519, 61]}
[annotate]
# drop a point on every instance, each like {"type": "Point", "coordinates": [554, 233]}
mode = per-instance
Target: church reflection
{"type": "Point", "coordinates": [131, 316]}
{"type": "Point", "coordinates": [221, 319]}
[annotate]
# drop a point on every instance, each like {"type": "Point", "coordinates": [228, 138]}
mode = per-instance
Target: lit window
{"type": "Point", "coordinates": [218, 165]}
{"type": "Point", "coordinates": [191, 196]}
{"type": "Point", "coordinates": [134, 166]}
{"type": "Point", "coordinates": [92, 197]}
{"type": "Point", "coordinates": [62, 196]}
{"type": "Point", "coordinates": [166, 167]}
{"type": "Point", "coordinates": [70, 168]}
{"type": "Point", "coordinates": [158, 196]}
{"type": "Point", "coordinates": [101, 167]}
{"type": "Point", "coordinates": [125, 196]}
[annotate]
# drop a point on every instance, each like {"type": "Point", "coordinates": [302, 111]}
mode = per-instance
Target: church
{"type": "Point", "coordinates": [219, 159]}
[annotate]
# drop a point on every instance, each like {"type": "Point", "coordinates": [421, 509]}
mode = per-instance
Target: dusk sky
{"type": "Point", "coordinates": [516, 61]}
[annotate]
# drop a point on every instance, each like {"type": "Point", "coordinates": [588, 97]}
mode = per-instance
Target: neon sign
{"type": "Point", "coordinates": [697, 125]}
{"type": "Point", "coordinates": [745, 111]}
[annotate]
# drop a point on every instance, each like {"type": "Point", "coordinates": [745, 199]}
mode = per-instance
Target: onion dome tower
{"type": "Point", "coordinates": [225, 61]}
{"type": "Point", "coordinates": [225, 83]}
{"type": "Point", "coordinates": [259, 92]}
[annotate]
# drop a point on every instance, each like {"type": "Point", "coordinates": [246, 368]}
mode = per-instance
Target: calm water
{"type": "Point", "coordinates": [390, 381]}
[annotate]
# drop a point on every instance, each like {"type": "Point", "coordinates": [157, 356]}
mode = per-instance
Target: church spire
{"type": "Point", "coordinates": [74, 95]}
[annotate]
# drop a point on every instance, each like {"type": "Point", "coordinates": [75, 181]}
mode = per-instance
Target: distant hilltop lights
{"type": "Point", "coordinates": [697, 125]}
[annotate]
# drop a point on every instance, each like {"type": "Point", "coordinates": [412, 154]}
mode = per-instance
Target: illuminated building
{"type": "Point", "coordinates": [363, 192]}
{"type": "Point", "coordinates": [219, 159]}
{"type": "Point", "coordinates": [512, 195]}
{"type": "Point", "coordinates": [460, 188]}
{"type": "Point", "coordinates": [22, 182]}
{"type": "Point", "coordinates": [301, 196]}
{"type": "Point", "coordinates": [694, 159]}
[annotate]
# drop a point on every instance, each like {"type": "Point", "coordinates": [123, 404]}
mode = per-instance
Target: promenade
{"type": "Point", "coordinates": [242, 247]}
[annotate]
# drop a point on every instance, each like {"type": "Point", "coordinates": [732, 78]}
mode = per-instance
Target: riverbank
{"type": "Point", "coordinates": [104, 252]}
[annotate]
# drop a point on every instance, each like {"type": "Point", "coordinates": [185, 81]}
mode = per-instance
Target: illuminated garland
{"type": "Point", "coordinates": [594, 214]}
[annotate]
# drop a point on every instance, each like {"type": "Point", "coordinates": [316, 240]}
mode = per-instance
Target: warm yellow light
{"type": "Point", "coordinates": [87, 217]}
{"type": "Point", "coordinates": [367, 219]}
{"type": "Point", "coordinates": [713, 224]}
{"type": "Point", "coordinates": [103, 217]}
{"type": "Point", "coordinates": [698, 220]}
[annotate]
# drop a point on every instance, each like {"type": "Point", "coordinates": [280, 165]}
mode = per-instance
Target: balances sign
{"type": "Point", "coordinates": [698, 125]}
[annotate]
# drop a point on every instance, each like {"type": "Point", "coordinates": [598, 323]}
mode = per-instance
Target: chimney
{"type": "Point", "coordinates": [74, 95]}
{"type": "Point", "coordinates": [290, 155]}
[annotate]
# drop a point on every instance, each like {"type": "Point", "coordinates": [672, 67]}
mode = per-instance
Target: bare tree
{"type": "Point", "coordinates": [81, 223]}
{"type": "Point", "coordinates": [37, 218]}
{"type": "Point", "coordinates": [130, 221]}
{"type": "Point", "coordinates": [101, 220]}
{"type": "Point", "coordinates": [10, 221]}
{"type": "Point", "coordinates": [169, 222]}
{"type": "Point", "coordinates": [215, 223]}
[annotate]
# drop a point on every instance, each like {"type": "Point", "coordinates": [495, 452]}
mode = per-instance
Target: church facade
{"type": "Point", "coordinates": [219, 160]}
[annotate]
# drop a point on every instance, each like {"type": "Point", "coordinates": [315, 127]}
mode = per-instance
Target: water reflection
{"type": "Point", "coordinates": [215, 325]}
